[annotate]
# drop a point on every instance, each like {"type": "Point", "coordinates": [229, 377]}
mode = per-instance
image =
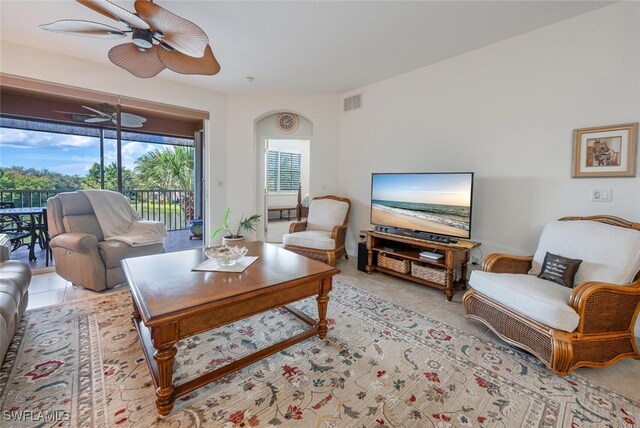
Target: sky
{"type": "Point", "coordinates": [65, 154]}
{"type": "Point", "coordinates": [442, 189]}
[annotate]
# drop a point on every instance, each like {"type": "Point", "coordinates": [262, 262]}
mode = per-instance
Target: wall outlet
{"type": "Point", "coordinates": [601, 195]}
{"type": "Point", "coordinates": [475, 260]}
{"type": "Point", "coordinates": [474, 266]}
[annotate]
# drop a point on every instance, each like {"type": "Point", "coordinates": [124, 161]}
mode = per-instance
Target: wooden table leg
{"type": "Point", "coordinates": [164, 339]}
{"type": "Point", "coordinates": [448, 290]}
{"type": "Point", "coordinates": [135, 314]}
{"type": "Point", "coordinates": [369, 267]}
{"type": "Point", "coordinates": [463, 275]}
{"type": "Point", "coordinates": [323, 302]}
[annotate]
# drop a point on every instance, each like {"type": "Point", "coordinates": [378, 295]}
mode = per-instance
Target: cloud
{"type": "Point", "coordinates": [71, 165]}
{"type": "Point", "coordinates": [19, 138]}
{"type": "Point", "coordinates": [133, 151]}
{"type": "Point", "coordinates": [13, 146]}
{"type": "Point", "coordinates": [72, 168]}
{"type": "Point", "coordinates": [66, 154]}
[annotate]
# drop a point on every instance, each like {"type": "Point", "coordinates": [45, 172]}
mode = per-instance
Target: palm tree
{"type": "Point", "coordinates": [168, 168]}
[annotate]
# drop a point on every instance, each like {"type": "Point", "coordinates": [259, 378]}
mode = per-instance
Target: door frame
{"type": "Point", "coordinates": [261, 233]}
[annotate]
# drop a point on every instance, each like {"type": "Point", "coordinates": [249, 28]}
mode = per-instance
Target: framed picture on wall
{"type": "Point", "coordinates": [605, 151]}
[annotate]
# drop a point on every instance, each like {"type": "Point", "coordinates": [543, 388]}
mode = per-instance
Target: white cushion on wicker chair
{"type": "Point", "coordinates": [539, 299]}
{"type": "Point", "coordinates": [324, 214]}
{"type": "Point", "coordinates": [316, 239]}
{"type": "Point", "coordinates": [608, 253]}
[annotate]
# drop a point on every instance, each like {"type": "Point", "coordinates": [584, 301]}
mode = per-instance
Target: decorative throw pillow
{"type": "Point", "coordinates": [559, 269]}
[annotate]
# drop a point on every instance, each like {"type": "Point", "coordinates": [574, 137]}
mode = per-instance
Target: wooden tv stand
{"type": "Point", "coordinates": [448, 273]}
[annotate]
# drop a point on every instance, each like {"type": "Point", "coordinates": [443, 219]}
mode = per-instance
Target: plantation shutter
{"type": "Point", "coordinates": [283, 171]}
{"type": "Point", "coordinates": [289, 171]}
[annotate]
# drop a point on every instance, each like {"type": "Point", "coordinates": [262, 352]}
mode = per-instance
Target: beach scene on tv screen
{"type": "Point", "coordinates": [436, 203]}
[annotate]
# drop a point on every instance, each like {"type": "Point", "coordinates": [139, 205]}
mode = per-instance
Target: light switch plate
{"type": "Point", "coordinates": [601, 195]}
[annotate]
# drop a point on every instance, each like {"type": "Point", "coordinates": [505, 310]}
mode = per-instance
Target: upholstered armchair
{"type": "Point", "coordinates": [80, 251]}
{"type": "Point", "coordinates": [321, 236]}
{"type": "Point", "coordinates": [591, 324]}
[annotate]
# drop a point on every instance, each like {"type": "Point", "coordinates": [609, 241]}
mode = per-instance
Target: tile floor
{"type": "Point", "coordinates": [49, 289]}
{"type": "Point", "coordinates": [623, 377]}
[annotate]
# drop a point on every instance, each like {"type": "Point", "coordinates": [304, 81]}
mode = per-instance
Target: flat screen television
{"type": "Point", "coordinates": [433, 203]}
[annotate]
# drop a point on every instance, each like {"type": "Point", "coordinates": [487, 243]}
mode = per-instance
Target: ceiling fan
{"type": "Point", "coordinates": [106, 114]}
{"type": "Point", "coordinates": [160, 39]}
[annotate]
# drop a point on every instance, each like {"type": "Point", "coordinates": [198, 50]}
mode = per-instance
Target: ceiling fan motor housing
{"type": "Point", "coordinates": [143, 39]}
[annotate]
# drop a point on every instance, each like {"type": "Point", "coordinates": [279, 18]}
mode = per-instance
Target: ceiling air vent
{"type": "Point", "coordinates": [353, 102]}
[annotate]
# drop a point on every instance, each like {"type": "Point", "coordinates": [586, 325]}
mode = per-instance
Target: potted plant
{"type": "Point", "coordinates": [246, 224]}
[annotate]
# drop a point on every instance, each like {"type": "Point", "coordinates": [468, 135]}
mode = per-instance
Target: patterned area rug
{"type": "Point", "coordinates": [80, 364]}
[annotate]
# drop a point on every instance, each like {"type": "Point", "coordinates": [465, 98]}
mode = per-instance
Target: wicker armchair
{"type": "Point", "coordinates": [322, 235]}
{"type": "Point", "coordinates": [607, 312]}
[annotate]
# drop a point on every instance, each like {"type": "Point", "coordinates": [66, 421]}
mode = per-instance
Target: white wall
{"type": "Point", "coordinates": [40, 64]}
{"type": "Point", "coordinates": [243, 113]}
{"type": "Point", "coordinates": [507, 112]}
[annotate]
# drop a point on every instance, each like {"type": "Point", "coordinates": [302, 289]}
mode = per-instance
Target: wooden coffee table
{"type": "Point", "coordinates": [170, 302]}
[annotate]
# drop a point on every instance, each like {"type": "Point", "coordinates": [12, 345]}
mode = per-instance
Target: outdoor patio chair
{"type": "Point", "coordinates": [15, 228]}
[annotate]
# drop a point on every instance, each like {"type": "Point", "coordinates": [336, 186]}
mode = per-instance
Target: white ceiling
{"type": "Point", "coordinates": [326, 47]}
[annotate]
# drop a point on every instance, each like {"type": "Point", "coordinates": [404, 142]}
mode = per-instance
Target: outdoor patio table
{"type": "Point", "coordinates": [35, 219]}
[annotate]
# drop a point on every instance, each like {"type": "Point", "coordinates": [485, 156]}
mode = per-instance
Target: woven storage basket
{"type": "Point", "coordinates": [398, 265]}
{"type": "Point", "coordinates": [429, 273]}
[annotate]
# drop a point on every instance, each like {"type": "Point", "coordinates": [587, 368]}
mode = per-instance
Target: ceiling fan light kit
{"type": "Point", "coordinates": [185, 46]}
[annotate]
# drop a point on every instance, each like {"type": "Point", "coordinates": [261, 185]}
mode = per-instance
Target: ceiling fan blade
{"type": "Point", "coordinates": [130, 117]}
{"type": "Point", "coordinates": [101, 113]}
{"type": "Point", "coordinates": [72, 112]}
{"type": "Point", "coordinates": [140, 64]}
{"type": "Point", "coordinates": [114, 11]}
{"type": "Point", "coordinates": [185, 64]}
{"type": "Point", "coordinates": [179, 33]}
{"type": "Point", "coordinates": [97, 119]}
{"type": "Point", "coordinates": [84, 28]}
{"type": "Point", "coordinates": [76, 117]}
{"type": "Point", "coordinates": [129, 123]}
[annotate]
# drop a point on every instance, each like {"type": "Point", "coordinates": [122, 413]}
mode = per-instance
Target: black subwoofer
{"type": "Point", "coordinates": [362, 256]}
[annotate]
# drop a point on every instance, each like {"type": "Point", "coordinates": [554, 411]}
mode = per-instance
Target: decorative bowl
{"type": "Point", "coordinates": [225, 256]}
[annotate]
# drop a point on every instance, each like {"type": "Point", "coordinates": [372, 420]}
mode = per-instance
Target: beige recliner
{"type": "Point", "coordinates": [14, 294]}
{"type": "Point", "coordinates": [80, 252]}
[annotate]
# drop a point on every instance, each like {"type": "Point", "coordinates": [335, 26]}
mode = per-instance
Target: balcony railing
{"type": "Point", "coordinates": [28, 198]}
{"type": "Point", "coordinates": [172, 207]}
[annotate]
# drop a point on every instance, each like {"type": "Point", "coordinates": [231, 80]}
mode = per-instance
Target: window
{"type": "Point", "coordinates": [283, 171]}
{"type": "Point", "coordinates": [63, 156]}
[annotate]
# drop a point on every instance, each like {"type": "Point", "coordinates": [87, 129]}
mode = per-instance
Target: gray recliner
{"type": "Point", "coordinates": [80, 252]}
